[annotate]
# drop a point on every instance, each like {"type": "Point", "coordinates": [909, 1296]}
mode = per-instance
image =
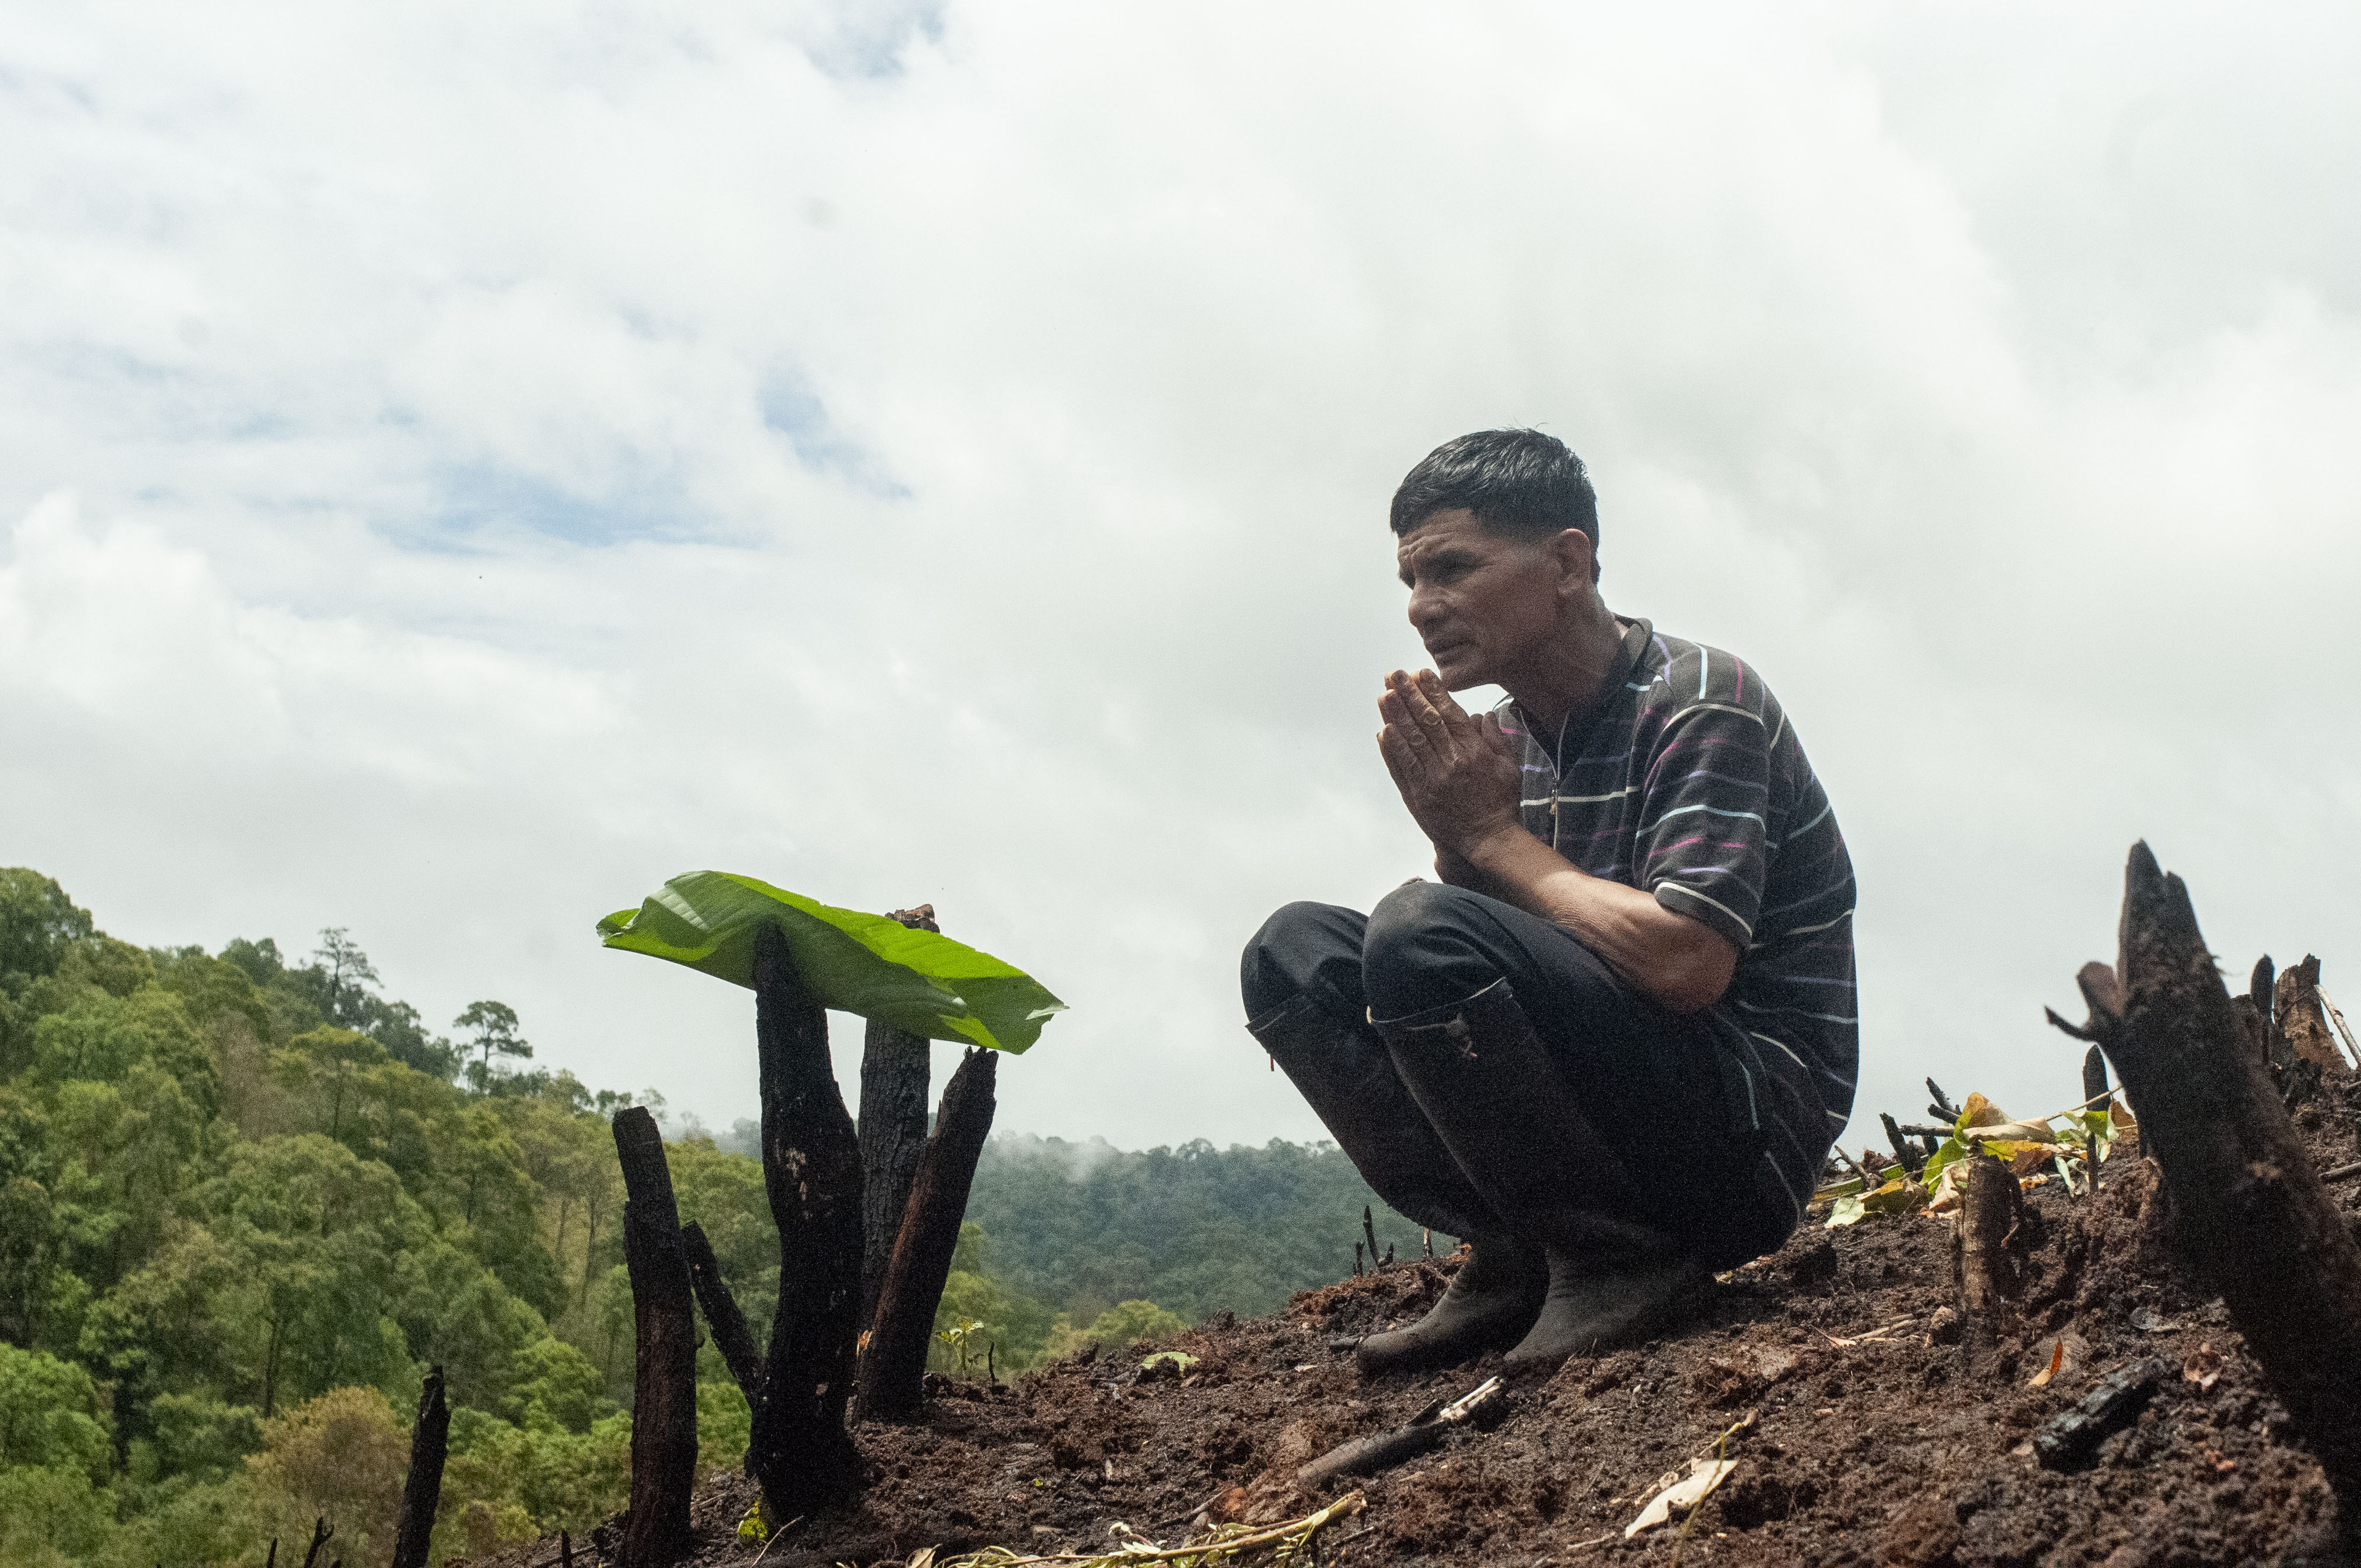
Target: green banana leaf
{"type": "Point", "coordinates": [917, 981]}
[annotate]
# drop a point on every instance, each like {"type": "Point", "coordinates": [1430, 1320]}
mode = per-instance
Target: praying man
{"type": "Point", "coordinates": [1611, 1043]}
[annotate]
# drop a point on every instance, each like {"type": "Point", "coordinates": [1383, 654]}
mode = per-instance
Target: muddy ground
{"type": "Point", "coordinates": [1912, 1448]}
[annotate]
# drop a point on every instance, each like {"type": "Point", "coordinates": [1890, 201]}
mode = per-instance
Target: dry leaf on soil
{"type": "Point", "coordinates": [1704, 1476]}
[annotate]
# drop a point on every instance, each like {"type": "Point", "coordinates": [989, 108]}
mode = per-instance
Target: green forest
{"type": "Point", "coordinates": [246, 1199]}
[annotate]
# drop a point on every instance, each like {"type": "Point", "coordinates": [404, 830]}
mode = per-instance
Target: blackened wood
{"type": "Point", "coordinates": [2094, 1075]}
{"type": "Point", "coordinates": [893, 1126]}
{"type": "Point", "coordinates": [894, 1085]}
{"type": "Point", "coordinates": [1942, 1108]}
{"type": "Point", "coordinates": [893, 1369]}
{"type": "Point", "coordinates": [800, 1452]}
{"type": "Point", "coordinates": [2075, 1435]}
{"type": "Point", "coordinates": [1911, 1158]}
{"type": "Point", "coordinates": [1368, 1455]}
{"type": "Point", "coordinates": [2095, 1086]}
{"type": "Point", "coordinates": [2258, 986]}
{"type": "Point", "coordinates": [2249, 1211]}
{"type": "Point", "coordinates": [732, 1337]}
{"type": "Point", "coordinates": [321, 1530]}
{"type": "Point", "coordinates": [664, 1378]}
{"type": "Point", "coordinates": [422, 1490]}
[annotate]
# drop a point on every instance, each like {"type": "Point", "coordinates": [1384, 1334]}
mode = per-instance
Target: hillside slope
{"type": "Point", "coordinates": [1892, 1450]}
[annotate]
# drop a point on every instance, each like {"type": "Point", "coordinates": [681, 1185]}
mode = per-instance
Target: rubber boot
{"type": "Point", "coordinates": [1602, 1297]}
{"type": "Point", "coordinates": [1495, 1100]}
{"type": "Point", "coordinates": [1345, 1072]}
{"type": "Point", "coordinates": [1493, 1302]}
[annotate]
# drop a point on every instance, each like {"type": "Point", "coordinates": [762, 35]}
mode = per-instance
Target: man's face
{"type": "Point", "coordinates": [1484, 606]}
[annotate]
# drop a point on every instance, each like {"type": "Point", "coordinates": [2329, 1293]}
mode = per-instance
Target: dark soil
{"type": "Point", "coordinates": [1913, 1449]}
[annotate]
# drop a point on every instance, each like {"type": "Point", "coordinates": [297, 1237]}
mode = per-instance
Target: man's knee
{"type": "Point", "coordinates": [1287, 956]}
{"type": "Point", "coordinates": [1421, 952]}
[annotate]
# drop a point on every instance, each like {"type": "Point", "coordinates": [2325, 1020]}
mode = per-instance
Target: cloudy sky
{"type": "Point", "coordinates": [462, 465]}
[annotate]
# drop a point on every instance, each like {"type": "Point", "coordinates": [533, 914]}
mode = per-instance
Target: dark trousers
{"type": "Point", "coordinates": [1652, 1083]}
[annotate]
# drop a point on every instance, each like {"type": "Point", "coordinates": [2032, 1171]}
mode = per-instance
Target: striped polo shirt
{"type": "Point", "coordinates": [1687, 780]}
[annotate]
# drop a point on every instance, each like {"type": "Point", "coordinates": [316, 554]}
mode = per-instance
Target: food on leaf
{"type": "Point", "coordinates": [917, 981]}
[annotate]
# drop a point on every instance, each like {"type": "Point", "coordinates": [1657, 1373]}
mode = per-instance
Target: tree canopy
{"type": "Point", "coordinates": [245, 1203]}
{"type": "Point", "coordinates": [243, 1206]}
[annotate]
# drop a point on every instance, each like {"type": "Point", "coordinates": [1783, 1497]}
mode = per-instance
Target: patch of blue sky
{"type": "Point", "coordinates": [471, 498]}
{"type": "Point", "coordinates": [792, 410]}
{"type": "Point", "coordinates": [868, 38]}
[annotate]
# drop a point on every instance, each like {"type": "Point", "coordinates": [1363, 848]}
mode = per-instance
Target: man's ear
{"type": "Point", "coordinates": [1577, 559]}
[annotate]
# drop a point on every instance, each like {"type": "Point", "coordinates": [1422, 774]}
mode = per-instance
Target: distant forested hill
{"type": "Point", "coordinates": [246, 1199]}
{"type": "Point", "coordinates": [1194, 1229]}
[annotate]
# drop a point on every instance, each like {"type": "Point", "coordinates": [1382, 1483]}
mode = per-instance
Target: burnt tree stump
{"type": "Point", "coordinates": [800, 1452]}
{"type": "Point", "coordinates": [732, 1337]}
{"type": "Point", "coordinates": [893, 1369]}
{"type": "Point", "coordinates": [2250, 1214]}
{"type": "Point", "coordinates": [421, 1489]}
{"type": "Point", "coordinates": [892, 1128]}
{"type": "Point", "coordinates": [664, 1378]}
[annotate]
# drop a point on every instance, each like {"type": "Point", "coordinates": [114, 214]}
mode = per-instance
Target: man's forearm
{"type": "Point", "coordinates": [1454, 870]}
{"type": "Point", "coordinates": [1681, 963]}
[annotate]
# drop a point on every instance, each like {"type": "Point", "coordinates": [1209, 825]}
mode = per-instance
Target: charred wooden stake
{"type": "Point", "coordinates": [1910, 1159]}
{"type": "Point", "coordinates": [2259, 986]}
{"type": "Point", "coordinates": [1942, 1110]}
{"type": "Point", "coordinates": [800, 1452]}
{"type": "Point", "coordinates": [2094, 1075]}
{"type": "Point", "coordinates": [2248, 1209]}
{"type": "Point", "coordinates": [421, 1491]}
{"type": "Point", "coordinates": [2095, 1084]}
{"type": "Point", "coordinates": [1426, 1430]}
{"type": "Point", "coordinates": [893, 1128]}
{"type": "Point", "coordinates": [893, 1369]}
{"type": "Point", "coordinates": [664, 1377]}
{"type": "Point", "coordinates": [2075, 1435]}
{"type": "Point", "coordinates": [1369, 1230]}
{"type": "Point", "coordinates": [732, 1337]}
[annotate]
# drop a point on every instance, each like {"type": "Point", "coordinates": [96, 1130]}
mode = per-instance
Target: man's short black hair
{"type": "Point", "coordinates": [1520, 483]}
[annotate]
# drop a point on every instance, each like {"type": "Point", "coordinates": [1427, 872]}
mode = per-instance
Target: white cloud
{"type": "Point", "coordinates": [940, 454]}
